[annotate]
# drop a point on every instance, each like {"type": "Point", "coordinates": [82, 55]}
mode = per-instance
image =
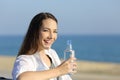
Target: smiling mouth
{"type": "Point", "coordinates": [49, 42]}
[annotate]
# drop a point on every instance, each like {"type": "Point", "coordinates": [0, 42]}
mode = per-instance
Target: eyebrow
{"type": "Point", "coordinates": [48, 28]}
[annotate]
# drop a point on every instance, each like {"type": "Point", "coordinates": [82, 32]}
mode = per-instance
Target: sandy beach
{"type": "Point", "coordinates": [87, 70]}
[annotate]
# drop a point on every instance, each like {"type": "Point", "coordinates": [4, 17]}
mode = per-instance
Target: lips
{"type": "Point", "coordinates": [48, 42]}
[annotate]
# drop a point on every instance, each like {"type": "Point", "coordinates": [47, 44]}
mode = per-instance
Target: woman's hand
{"type": "Point", "coordinates": [68, 66]}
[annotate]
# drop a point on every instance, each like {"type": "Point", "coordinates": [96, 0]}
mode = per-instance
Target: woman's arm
{"type": "Point", "coordinates": [39, 75]}
{"type": "Point", "coordinates": [64, 68]}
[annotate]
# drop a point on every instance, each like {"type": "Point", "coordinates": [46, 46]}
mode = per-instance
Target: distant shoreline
{"type": "Point", "coordinates": [99, 48]}
{"type": "Point", "coordinates": [110, 62]}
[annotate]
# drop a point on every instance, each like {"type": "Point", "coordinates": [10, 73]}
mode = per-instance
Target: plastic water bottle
{"type": "Point", "coordinates": [69, 52]}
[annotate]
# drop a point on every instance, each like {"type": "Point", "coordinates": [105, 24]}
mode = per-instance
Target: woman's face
{"type": "Point", "coordinates": [48, 33]}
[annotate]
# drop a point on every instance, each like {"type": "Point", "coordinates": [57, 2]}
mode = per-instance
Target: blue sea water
{"type": "Point", "coordinates": [104, 48]}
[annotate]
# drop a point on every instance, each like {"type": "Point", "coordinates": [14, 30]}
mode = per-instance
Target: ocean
{"type": "Point", "coordinates": [101, 48]}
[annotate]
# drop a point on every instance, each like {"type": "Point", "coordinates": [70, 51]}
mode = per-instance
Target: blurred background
{"type": "Point", "coordinates": [93, 26]}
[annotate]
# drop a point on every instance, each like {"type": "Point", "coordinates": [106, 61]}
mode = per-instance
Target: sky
{"type": "Point", "coordinates": [83, 17]}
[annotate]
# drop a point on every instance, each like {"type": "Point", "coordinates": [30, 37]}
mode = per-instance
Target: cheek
{"type": "Point", "coordinates": [43, 35]}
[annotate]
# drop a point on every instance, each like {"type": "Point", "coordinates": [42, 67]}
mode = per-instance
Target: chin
{"type": "Point", "coordinates": [47, 47]}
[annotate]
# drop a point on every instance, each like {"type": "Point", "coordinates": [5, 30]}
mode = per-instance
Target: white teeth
{"type": "Point", "coordinates": [47, 41]}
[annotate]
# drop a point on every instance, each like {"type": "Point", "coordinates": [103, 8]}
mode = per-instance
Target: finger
{"type": "Point", "coordinates": [73, 71]}
{"type": "Point", "coordinates": [73, 67]}
{"type": "Point", "coordinates": [71, 59]}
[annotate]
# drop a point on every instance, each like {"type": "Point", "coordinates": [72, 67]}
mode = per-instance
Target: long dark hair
{"type": "Point", "coordinates": [32, 39]}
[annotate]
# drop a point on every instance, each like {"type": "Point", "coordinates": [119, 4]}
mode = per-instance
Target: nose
{"type": "Point", "coordinates": [51, 35]}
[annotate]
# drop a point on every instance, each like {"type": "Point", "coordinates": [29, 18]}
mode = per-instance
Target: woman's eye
{"type": "Point", "coordinates": [45, 30]}
{"type": "Point", "coordinates": [55, 32]}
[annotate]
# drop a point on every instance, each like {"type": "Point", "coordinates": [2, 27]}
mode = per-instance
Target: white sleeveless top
{"type": "Point", "coordinates": [34, 63]}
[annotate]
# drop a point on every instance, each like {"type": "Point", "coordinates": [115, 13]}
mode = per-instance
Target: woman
{"type": "Point", "coordinates": [36, 60]}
